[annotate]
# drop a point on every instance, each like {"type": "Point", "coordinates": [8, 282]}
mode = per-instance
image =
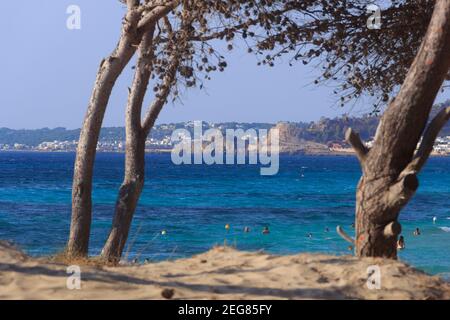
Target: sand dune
{"type": "Point", "coordinates": [221, 273]}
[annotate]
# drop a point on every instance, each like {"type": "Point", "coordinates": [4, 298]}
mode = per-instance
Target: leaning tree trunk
{"type": "Point", "coordinates": [389, 168]}
{"type": "Point", "coordinates": [127, 200]}
{"type": "Point", "coordinates": [133, 182]}
{"type": "Point", "coordinates": [139, 19]}
{"type": "Point", "coordinates": [109, 71]}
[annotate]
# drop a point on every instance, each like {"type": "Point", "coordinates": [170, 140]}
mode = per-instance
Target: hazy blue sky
{"type": "Point", "coordinates": [47, 73]}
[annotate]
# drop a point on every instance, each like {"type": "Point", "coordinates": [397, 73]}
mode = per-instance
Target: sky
{"type": "Point", "coordinates": [47, 74]}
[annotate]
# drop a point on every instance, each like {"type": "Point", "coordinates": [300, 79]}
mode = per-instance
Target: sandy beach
{"type": "Point", "coordinates": [221, 273]}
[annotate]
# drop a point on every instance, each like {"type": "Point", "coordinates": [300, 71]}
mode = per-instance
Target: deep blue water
{"type": "Point", "coordinates": [193, 203]}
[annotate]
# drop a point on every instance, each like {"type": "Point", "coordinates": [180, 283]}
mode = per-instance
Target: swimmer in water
{"type": "Point", "coordinates": [227, 227]}
{"type": "Point", "coordinates": [353, 226]}
{"type": "Point", "coordinates": [266, 230]}
{"type": "Point", "coordinates": [350, 248]}
{"type": "Point", "coordinates": [327, 230]}
{"type": "Point", "coordinates": [434, 220]}
{"type": "Point", "coordinates": [310, 235]}
{"type": "Point", "coordinates": [246, 229]}
{"type": "Point", "coordinates": [417, 232]}
{"type": "Point", "coordinates": [401, 243]}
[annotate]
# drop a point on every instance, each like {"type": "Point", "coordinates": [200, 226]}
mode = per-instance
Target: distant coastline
{"type": "Point", "coordinates": [326, 136]}
{"type": "Point", "coordinates": [349, 153]}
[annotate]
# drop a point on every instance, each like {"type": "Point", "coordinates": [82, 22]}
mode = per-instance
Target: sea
{"type": "Point", "coordinates": [187, 209]}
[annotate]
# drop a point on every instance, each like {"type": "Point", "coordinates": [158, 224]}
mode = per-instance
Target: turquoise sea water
{"type": "Point", "coordinates": [193, 203]}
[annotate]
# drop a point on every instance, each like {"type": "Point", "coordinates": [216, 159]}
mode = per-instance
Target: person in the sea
{"type": "Point", "coordinates": [401, 243]}
{"type": "Point", "coordinates": [417, 232]}
{"type": "Point", "coordinates": [266, 230]}
{"type": "Point", "coordinates": [246, 229]}
{"type": "Point", "coordinates": [327, 230]}
{"type": "Point", "coordinates": [309, 235]}
{"type": "Point", "coordinates": [353, 226]}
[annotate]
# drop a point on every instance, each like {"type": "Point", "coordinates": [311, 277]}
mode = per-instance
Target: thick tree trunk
{"type": "Point", "coordinates": [377, 227]}
{"type": "Point", "coordinates": [109, 71]}
{"type": "Point", "coordinates": [127, 200]}
{"type": "Point", "coordinates": [390, 167]}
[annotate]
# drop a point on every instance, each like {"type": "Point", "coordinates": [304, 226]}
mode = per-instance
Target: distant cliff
{"type": "Point", "coordinates": [328, 131]}
{"type": "Point", "coordinates": [291, 140]}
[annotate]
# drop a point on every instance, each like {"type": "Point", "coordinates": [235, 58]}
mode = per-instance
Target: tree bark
{"type": "Point", "coordinates": [136, 136]}
{"type": "Point", "coordinates": [133, 182]}
{"type": "Point", "coordinates": [109, 71]}
{"type": "Point", "coordinates": [389, 175]}
{"type": "Point", "coordinates": [139, 19]}
{"type": "Point", "coordinates": [127, 199]}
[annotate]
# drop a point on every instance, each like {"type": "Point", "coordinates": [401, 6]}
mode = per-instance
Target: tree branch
{"type": "Point", "coordinates": [223, 33]}
{"type": "Point", "coordinates": [401, 191]}
{"type": "Point", "coordinates": [429, 137]}
{"type": "Point", "coordinates": [161, 96]}
{"type": "Point", "coordinates": [157, 12]}
{"type": "Point", "coordinates": [132, 4]}
{"type": "Point", "coordinates": [344, 235]}
{"type": "Point", "coordinates": [140, 82]}
{"type": "Point", "coordinates": [353, 138]}
{"type": "Point", "coordinates": [392, 229]}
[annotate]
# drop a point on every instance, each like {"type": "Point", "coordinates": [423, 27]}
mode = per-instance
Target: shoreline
{"type": "Point", "coordinates": [220, 273]}
{"type": "Point", "coordinates": [167, 151]}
